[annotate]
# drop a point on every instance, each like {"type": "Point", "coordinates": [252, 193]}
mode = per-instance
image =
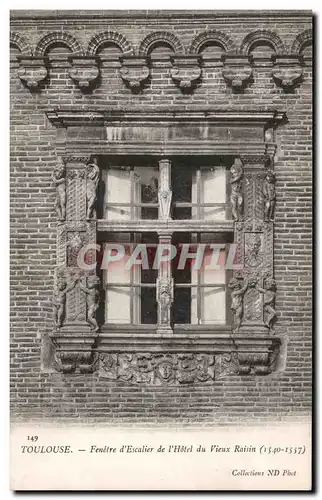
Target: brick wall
{"type": "Point", "coordinates": [38, 391]}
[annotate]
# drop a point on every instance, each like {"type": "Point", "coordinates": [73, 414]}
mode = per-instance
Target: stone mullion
{"type": "Point", "coordinates": [164, 283]}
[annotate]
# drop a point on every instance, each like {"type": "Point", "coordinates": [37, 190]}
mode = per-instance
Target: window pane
{"type": "Point", "coordinates": [146, 191]}
{"type": "Point", "coordinates": [127, 189]}
{"type": "Point", "coordinates": [117, 200]}
{"type": "Point", "coordinates": [148, 306]}
{"type": "Point", "coordinates": [118, 299]}
{"type": "Point", "coordinates": [127, 301]}
{"type": "Point", "coordinates": [213, 190]}
{"type": "Point", "coordinates": [213, 305]}
{"type": "Point", "coordinates": [181, 310]}
{"type": "Point", "coordinates": [199, 192]}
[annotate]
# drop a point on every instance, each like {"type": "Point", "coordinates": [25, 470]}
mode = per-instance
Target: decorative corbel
{"type": "Point", "coordinates": [33, 70]}
{"type": "Point", "coordinates": [186, 70]}
{"type": "Point", "coordinates": [237, 70]}
{"type": "Point", "coordinates": [80, 361]}
{"type": "Point", "coordinates": [134, 71]}
{"type": "Point", "coordinates": [84, 70]}
{"type": "Point", "coordinates": [287, 70]}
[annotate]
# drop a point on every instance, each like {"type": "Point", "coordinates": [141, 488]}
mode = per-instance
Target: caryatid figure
{"type": "Point", "coordinates": [237, 296]}
{"type": "Point", "coordinates": [92, 178]}
{"type": "Point", "coordinates": [269, 292]}
{"type": "Point", "coordinates": [236, 196]}
{"type": "Point", "coordinates": [269, 194]}
{"type": "Point", "coordinates": [62, 288]}
{"type": "Point", "coordinates": [92, 292]}
{"type": "Point", "coordinates": [59, 179]}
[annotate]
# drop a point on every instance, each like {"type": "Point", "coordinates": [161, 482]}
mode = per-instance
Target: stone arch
{"type": "Point", "coordinates": [109, 36]}
{"type": "Point", "coordinates": [163, 37]}
{"type": "Point", "coordinates": [212, 36]}
{"type": "Point", "coordinates": [58, 37]}
{"type": "Point", "coordinates": [19, 42]}
{"type": "Point", "coordinates": [302, 39]}
{"type": "Point", "coordinates": [262, 36]}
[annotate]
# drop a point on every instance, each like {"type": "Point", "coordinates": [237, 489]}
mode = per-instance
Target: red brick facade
{"type": "Point", "coordinates": [38, 391]}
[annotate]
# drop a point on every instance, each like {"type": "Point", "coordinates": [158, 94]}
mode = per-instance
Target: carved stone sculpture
{"type": "Point", "coordinates": [62, 288]}
{"type": "Point", "coordinates": [237, 296]}
{"type": "Point", "coordinates": [269, 292]}
{"type": "Point", "coordinates": [158, 368]}
{"type": "Point", "coordinates": [92, 178]}
{"type": "Point", "coordinates": [269, 194]}
{"type": "Point", "coordinates": [237, 70]}
{"type": "Point", "coordinates": [236, 197]}
{"type": "Point", "coordinates": [84, 70]}
{"type": "Point", "coordinates": [164, 298]}
{"type": "Point", "coordinates": [69, 361]}
{"type": "Point", "coordinates": [32, 71]}
{"type": "Point", "coordinates": [134, 71]}
{"type": "Point", "coordinates": [59, 179]}
{"type": "Point", "coordinates": [92, 292]}
{"type": "Point", "coordinates": [186, 71]}
{"type": "Point", "coordinates": [287, 71]}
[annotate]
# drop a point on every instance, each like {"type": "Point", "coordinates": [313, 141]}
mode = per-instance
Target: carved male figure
{"type": "Point", "coordinates": [92, 178]}
{"type": "Point", "coordinates": [59, 179]}
{"type": "Point", "coordinates": [62, 289]}
{"type": "Point", "coordinates": [269, 194]}
{"type": "Point", "coordinates": [269, 292]}
{"type": "Point", "coordinates": [236, 196]}
{"type": "Point", "coordinates": [237, 296]}
{"type": "Point", "coordinates": [165, 302]}
{"type": "Point", "coordinates": [92, 292]}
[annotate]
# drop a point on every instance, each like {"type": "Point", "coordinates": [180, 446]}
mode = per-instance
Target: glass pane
{"type": "Point", "coordinates": [213, 190]}
{"type": "Point", "coordinates": [117, 200]}
{"type": "Point", "coordinates": [181, 308]}
{"type": "Point", "coordinates": [199, 193]}
{"type": "Point", "coordinates": [146, 191]}
{"type": "Point", "coordinates": [126, 189]}
{"type": "Point", "coordinates": [148, 306]}
{"type": "Point", "coordinates": [181, 183]}
{"type": "Point", "coordinates": [118, 305]}
{"type": "Point", "coordinates": [118, 299]}
{"type": "Point", "coordinates": [213, 305]}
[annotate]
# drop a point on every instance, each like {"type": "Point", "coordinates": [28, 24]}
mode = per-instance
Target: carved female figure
{"type": "Point", "coordinates": [269, 292]}
{"type": "Point", "coordinates": [62, 289]}
{"type": "Point", "coordinates": [59, 175]}
{"type": "Point", "coordinates": [236, 196]}
{"type": "Point", "coordinates": [269, 194]}
{"type": "Point", "coordinates": [92, 291]}
{"type": "Point", "coordinates": [237, 296]}
{"type": "Point", "coordinates": [92, 174]}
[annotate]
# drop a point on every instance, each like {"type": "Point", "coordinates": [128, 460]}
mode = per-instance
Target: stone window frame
{"type": "Point", "coordinates": [249, 348]}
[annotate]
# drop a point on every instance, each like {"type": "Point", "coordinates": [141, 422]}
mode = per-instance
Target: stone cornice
{"type": "Point", "coordinates": [95, 116]}
{"type": "Point", "coordinates": [167, 225]}
{"type": "Point", "coordinates": [74, 15]}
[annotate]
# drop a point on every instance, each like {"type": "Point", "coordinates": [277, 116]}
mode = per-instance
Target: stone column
{"type": "Point", "coordinates": [76, 288]}
{"type": "Point", "coordinates": [164, 280]}
{"type": "Point", "coordinates": [253, 287]}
